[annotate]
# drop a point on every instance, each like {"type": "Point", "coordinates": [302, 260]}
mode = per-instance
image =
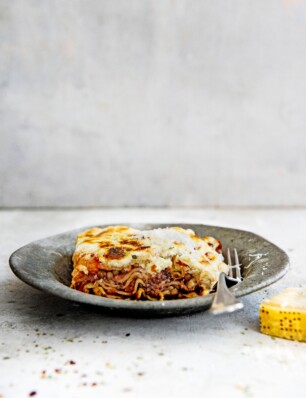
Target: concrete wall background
{"type": "Point", "coordinates": [160, 102]}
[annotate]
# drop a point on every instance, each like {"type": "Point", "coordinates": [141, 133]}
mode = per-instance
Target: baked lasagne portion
{"type": "Point", "coordinates": [164, 263]}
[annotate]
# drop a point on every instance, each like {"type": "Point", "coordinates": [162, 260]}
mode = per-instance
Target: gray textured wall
{"type": "Point", "coordinates": [158, 102]}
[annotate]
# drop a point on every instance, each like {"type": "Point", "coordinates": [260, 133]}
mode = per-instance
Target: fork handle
{"type": "Point", "coordinates": [224, 300]}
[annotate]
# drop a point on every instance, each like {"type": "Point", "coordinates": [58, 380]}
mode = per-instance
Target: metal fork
{"type": "Point", "coordinates": [224, 300]}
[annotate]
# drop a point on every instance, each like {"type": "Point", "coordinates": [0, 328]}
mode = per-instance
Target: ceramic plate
{"type": "Point", "coordinates": [46, 264]}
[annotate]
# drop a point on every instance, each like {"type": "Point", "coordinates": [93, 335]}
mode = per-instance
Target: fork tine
{"type": "Point", "coordinates": [229, 262]}
{"type": "Point", "coordinates": [225, 300]}
{"type": "Point", "coordinates": [237, 263]}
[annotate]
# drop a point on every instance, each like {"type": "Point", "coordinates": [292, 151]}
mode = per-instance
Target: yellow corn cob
{"type": "Point", "coordinates": [284, 315]}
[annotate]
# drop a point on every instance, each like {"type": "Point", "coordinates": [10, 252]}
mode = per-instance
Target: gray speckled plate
{"type": "Point", "coordinates": [46, 265]}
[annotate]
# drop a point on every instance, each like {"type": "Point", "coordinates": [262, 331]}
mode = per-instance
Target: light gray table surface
{"type": "Point", "coordinates": [52, 347]}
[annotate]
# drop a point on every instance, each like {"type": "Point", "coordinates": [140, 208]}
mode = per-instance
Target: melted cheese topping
{"type": "Point", "coordinates": [117, 247]}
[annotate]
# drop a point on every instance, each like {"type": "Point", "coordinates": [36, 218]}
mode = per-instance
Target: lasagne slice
{"type": "Point", "coordinates": [165, 263]}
